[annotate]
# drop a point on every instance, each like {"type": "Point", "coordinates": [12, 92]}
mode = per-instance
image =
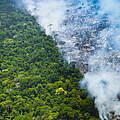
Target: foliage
{"type": "Point", "coordinates": [34, 81]}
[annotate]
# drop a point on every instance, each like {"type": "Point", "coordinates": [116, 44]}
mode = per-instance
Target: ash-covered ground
{"type": "Point", "coordinates": [84, 33]}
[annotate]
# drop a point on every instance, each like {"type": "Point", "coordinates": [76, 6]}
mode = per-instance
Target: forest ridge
{"type": "Point", "coordinates": [35, 82]}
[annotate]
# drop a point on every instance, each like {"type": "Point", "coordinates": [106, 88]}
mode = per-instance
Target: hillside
{"type": "Point", "coordinates": [35, 82]}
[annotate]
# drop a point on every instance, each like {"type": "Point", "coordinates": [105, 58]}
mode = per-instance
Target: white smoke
{"type": "Point", "coordinates": [103, 80]}
{"type": "Point", "coordinates": [87, 39]}
{"type": "Point", "coordinates": [112, 8]}
{"type": "Point", "coordinates": [49, 13]}
{"type": "Point", "coordinates": [104, 86]}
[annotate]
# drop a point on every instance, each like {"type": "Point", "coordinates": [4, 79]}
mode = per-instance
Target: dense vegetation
{"type": "Point", "coordinates": [35, 82]}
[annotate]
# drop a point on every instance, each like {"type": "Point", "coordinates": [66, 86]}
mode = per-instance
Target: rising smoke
{"type": "Point", "coordinates": [49, 13]}
{"type": "Point", "coordinates": [89, 34]}
{"type": "Point", "coordinates": [103, 79]}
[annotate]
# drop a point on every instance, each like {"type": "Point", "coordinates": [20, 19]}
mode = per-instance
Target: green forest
{"type": "Point", "coordinates": [36, 83]}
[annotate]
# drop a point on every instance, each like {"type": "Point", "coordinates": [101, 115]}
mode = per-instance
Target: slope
{"type": "Point", "coordinates": [35, 82]}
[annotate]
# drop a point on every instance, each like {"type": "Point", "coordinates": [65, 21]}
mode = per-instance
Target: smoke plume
{"type": "Point", "coordinates": [49, 13]}
{"type": "Point", "coordinates": [103, 79]}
